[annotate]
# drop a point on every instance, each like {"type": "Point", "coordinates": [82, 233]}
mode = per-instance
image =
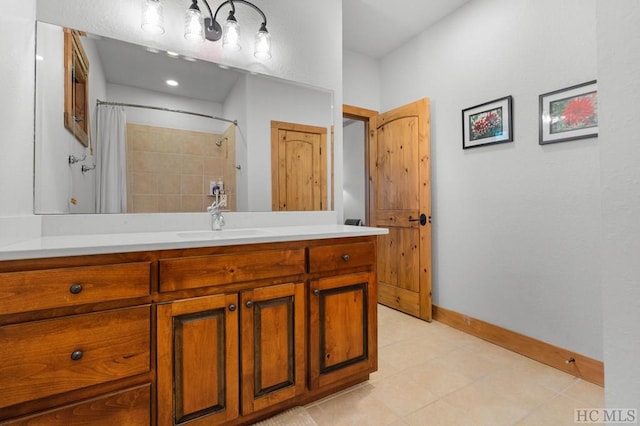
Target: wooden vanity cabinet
{"type": "Point", "coordinates": [197, 351]}
{"type": "Point", "coordinates": [75, 341]}
{"type": "Point", "coordinates": [342, 313]}
{"type": "Point", "coordinates": [202, 336]}
{"type": "Point", "coordinates": [231, 354]}
{"type": "Point", "coordinates": [273, 345]}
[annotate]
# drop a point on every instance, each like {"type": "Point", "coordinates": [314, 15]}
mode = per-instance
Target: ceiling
{"type": "Point", "coordinates": [376, 27]}
{"type": "Point", "coordinates": [133, 65]}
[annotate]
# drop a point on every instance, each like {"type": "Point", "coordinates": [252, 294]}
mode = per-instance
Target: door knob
{"type": "Point", "coordinates": [422, 219]}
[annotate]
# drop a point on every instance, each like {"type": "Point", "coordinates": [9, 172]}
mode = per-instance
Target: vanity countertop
{"type": "Point", "coordinates": [72, 245]}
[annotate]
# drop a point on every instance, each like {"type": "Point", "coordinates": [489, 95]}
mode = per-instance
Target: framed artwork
{"type": "Point", "coordinates": [569, 114]}
{"type": "Point", "coordinates": [488, 123]}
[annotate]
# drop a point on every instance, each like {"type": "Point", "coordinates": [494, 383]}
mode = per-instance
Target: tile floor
{"type": "Point", "coordinates": [431, 374]}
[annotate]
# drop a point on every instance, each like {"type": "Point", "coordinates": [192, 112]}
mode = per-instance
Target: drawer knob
{"type": "Point", "coordinates": [346, 257]}
{"type": "Point", "coordinates": [75, 289]}
{"type": "Point", "coordinates": [76, 355]}
{"type": "Point", "coordinates": [316, 292]}
{"type": "Point", "coordinates": [249, 304]}
{"type": "Point", "coordinates": [232, 307]}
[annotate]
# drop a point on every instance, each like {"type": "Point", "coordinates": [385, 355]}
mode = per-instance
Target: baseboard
{"type": "Point", "coordinates": [581, 366]}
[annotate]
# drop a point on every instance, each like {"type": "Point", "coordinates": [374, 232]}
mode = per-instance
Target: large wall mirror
{"type": "Point", "coordinates": [167, 133]}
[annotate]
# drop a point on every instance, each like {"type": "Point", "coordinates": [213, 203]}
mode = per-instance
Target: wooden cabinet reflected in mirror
{"type": "Point", "coordinates": [76, 87]}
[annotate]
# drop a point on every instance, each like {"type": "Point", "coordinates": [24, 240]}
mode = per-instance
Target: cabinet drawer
{"type": "Point", "coordinates": [205, 271]}
{"type": "Point", "coordinates": [127, 407]}
{"type": "Point", "coordinates": [53, 288]}
{"type": "Point", "coordinates": [341, 256]}
{"type": "Point", "coordinates": [43, 358]}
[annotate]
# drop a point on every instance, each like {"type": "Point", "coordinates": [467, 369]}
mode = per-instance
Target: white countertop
{"type": "Point", "coordinates": [72, 245]}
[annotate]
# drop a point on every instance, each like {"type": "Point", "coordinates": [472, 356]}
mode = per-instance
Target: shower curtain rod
{"type": "Point", "coordinates": [99, 102]}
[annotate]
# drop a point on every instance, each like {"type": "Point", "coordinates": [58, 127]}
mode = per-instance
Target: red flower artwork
{"type": "Point", "coordinates": [578, 111]}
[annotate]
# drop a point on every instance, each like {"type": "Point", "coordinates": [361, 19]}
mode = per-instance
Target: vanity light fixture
{"type": "Point", "coordinates": [172, 83]}
{"type": "Point", "coordinates": [197, 28]}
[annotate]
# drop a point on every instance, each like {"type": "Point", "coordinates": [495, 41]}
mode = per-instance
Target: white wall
{"type": "Point", "coordinates": [17, 43]}
{"type": "Point", "coordinates": [619, 98]}
{"type": "Point", "coordinates": [516, 226]}
{"type": "Point", "coordinates": [236, 106]}
{"type": "Point", "coordinates": [362, 75]}
{"type": "Point", "coordinates": [354, 179]}
{"type": "Point", "coordinates": [150, 117]}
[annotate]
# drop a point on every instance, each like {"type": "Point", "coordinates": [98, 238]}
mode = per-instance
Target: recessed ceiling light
{"type": "Point", "coordinates": [172, 54]}
{"type": "Point", "coordinates": [172, 83]}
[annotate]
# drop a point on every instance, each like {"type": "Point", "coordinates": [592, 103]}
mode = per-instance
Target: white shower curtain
{"type": "Point", "coordinates": [111, 164]}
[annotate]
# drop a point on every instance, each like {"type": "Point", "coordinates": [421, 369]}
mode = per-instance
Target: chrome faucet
{"type": "Point", "coordinates": [217, 220]}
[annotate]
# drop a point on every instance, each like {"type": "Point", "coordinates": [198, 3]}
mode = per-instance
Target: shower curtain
{"type": "Point", "coordinates": [111, 164]}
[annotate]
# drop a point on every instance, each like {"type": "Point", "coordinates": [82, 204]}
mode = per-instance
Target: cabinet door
{"type": "Point", "coordinates": [342, 329]}
{"type": "Point", "coordinates": [198, 360]}
{"type": "Point", "coordinates": [273, 345]}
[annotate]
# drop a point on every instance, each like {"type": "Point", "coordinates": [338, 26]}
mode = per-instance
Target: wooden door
{"type": "Point", "coordinates": [342, 328]}
{"type": "Point", "coordinates": [273, 345]}
{"type": "Point", "coordinates": [198, 361]}
{"type": "Point", "coordinates": [298, 167]}
{"type": "Point", "coordinates": [400, 200]}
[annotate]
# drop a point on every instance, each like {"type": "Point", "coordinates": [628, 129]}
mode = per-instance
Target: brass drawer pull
{"type": "Point", "coordinates": [346, 257]}
{"type": "Point", "coordinates": [76, 355]}
{"type": "Point", "coordinates": [75, 289]}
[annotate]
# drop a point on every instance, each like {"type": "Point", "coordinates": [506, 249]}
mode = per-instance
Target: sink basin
{"type": "Point", "coordinates": [225, 233]}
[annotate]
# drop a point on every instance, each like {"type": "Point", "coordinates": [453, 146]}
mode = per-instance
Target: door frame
{"type": "Point", "coordinates": [366, 116]}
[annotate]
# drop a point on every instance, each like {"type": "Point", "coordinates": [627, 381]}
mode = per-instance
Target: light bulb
{"type": "Point", "coordinates": [193, 26]}
{"type": "Point", "coordinates": [262, 44]}
{"type": "Point", "coordinates": [152, 17]}
{"type": "Point", "coordinates": [231, 35]}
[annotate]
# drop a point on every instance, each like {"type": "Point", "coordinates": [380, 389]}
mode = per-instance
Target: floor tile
{"type": "Point", "coordinates": [591, 395]}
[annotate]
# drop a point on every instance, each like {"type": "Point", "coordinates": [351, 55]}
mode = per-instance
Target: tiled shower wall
{"type": "Point", "coordinates": [169, 170]}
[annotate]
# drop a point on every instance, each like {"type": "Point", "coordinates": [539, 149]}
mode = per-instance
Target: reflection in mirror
{"type": "Point", "coordinates": [161, 135]}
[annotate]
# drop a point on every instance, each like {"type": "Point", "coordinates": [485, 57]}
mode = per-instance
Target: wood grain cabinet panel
{"type": "Point", "coordinates": [198, 375]}
{"type": "Point", "coordinates": [273, 345]}
{"type": "Point", "coordinates": [336, 257]}
{"type": "Point", "coordinates": [342, 328]}
{"type": "Point", "coordinates": [127, 407]}
{"type": "Point", "coordinates": [52, 288]}
{"type": "Point", "coordinates": [204, 271]}
{"type": "Point", "coordinates": [43, 358]}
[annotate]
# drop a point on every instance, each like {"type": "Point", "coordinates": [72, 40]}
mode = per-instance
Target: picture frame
{"type": "Point", "coordinates": [569, 114]}
{"type": "Point", "coordinates": [488, 123]}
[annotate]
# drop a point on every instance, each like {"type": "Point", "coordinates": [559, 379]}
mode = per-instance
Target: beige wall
{"type": "Point", "coordinates": [169, 170]}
